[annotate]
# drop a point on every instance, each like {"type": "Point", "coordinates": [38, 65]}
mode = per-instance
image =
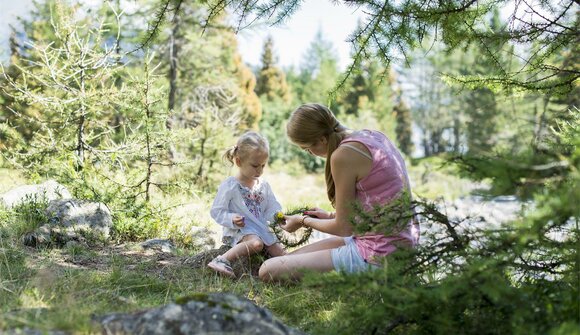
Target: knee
{"type": "Point", "coordinates": [256, 245]}
{"type": "Point", "coordinates": [266, 271]}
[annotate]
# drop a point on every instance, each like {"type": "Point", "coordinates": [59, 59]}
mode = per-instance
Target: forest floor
{"type": "Point", "coordinates": [63, 289]}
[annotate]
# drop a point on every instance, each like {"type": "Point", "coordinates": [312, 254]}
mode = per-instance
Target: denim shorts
{"type": "Point", "coordinates": [347, 258]}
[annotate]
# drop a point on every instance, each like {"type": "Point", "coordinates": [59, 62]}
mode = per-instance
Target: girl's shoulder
{"type": "Point", "coordinates": [264, 184]}
{"type": "Point", "coordinates": [364, 135]}
{"type": "Point", "coordinates": [229, 182]}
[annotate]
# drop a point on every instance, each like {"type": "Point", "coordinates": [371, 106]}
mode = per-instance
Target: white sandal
{"type": "Point", "coordinates": [222, 265]}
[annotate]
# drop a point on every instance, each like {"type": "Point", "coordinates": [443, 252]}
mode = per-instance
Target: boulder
{"type": "Point", "coordinates": [71, 220]}
{"type": "Point", "coordinates": [47, 191]}
{"type": "Point", "coordinates": [212, 313]}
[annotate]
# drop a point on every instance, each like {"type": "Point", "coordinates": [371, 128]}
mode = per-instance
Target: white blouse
{"type": "Point", "coordinates": [257, 205]}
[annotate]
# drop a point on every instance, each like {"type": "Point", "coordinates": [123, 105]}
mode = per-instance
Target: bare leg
{"type": "Point", "coordinates": [328, 243]}
{"type": "Point", "coordinates": [315, 256]}
{"type": "Point", "coordinates": [248, 245]}
{"type": "Point", "coordinates": [292, 265]}
{"type": "Point", "coordinates": [275, 250]}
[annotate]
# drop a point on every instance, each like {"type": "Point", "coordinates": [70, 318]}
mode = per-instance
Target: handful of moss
{"type": "Point", "coordinates": [290, 240]}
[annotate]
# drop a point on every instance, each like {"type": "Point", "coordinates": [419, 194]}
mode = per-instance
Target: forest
{"type": "Point", "coordinates": [129, 105]}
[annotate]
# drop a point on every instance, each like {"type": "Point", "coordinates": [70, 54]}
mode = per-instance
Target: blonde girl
{"type": "Point", "coordinates": [244, 204]}
{"type": "Point", "coordinates": [361, 166]}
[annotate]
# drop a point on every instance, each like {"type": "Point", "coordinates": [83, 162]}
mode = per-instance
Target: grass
{"type": "Point", "coordinates": [61, 289]}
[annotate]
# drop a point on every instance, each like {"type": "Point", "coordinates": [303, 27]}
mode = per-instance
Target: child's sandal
{"type": "Point", "coordinates": [222, 266]}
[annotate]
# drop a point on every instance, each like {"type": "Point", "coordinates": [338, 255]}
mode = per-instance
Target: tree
{"type": "Point", "coordinates": [314, 81]}
{"type": "Point", "coordinates": [403, 128]}
{"type": "Point", "coordinates": [70, 74]}
{"type": "Point", "coordinates": [271, 81]}
{"type": "Point", "coordinates": [199, 52]}
{"type": "Point", "coordinates": [493, 276]}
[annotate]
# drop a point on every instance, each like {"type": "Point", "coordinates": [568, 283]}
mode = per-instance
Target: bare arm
{"type": "Point", "coordinates": [347, 167]}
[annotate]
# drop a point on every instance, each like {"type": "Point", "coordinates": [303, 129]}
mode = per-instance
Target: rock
{"type": "Point", "coordinates": [213, 313]}
{"type": "Point", "coordinates": [202, 238]}
{"type": "Point", "coordinates": [71, 220]}
{"type": "Point", "coordinates": [30, 331]}
{"type": "Point", "coordinates": [159, 244]}
{"type": "Point", "coordinates": [81, 214]}
{"type": "Point", "coordinates": [47, 191]}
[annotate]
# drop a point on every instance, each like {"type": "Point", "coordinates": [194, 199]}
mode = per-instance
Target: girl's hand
{"type": "Point", "coordinates": [318, 213]}
{"type": "Point", "coordinates": [238, 221]}
{"type": "Point", "coordinates": [293, 223]}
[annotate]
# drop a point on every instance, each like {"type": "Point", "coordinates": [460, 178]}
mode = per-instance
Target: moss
{"type": "Point", "coordinates": [202, 297]}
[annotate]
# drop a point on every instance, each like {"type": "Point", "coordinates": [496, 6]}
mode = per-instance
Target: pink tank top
{"type": "Point", "coordinates": [386, 180]}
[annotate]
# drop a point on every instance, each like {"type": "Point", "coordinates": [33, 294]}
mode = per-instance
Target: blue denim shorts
{"type": "Point", "coordinates": [347, 258]}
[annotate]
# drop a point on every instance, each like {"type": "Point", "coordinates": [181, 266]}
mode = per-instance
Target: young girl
{"type": "Point", "coordinates": [244, 204]}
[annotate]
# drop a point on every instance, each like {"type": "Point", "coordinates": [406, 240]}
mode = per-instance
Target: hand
{"type": "Point", "coordinates": [318, 213]}
{"type": "Point", "coordinates": [292, 223]}
{"type": "Point", "coordinates": [238, 221]}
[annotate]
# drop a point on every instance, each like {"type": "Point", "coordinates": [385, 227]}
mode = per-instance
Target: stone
{"type": "Point", "coordinates": [211, 313]}
{"type": "Point", "coordinates": [47, 191]}
{"type": "Point", "coordinates": [71, 220]}
{"type": "Point", "coordinates": [202, 238]}
{"type": "Point", "coordinates": [159, 244]}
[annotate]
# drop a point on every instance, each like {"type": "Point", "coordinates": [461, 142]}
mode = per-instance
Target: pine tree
{"type": "Point", "coordinates": [482, 108]}
{"type": "Point", "coordinates": [403, 129]}
{"type": "Point", "coordinates": [271, 81]}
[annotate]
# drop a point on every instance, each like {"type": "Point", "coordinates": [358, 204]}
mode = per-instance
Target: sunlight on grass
{"type": "Point", "coordinates": [9, 179]}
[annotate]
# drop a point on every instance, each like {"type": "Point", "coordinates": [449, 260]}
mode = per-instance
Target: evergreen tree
{"type": "Point", "coordinates": [318, 72]}
{"type": "Point", "coordinates": [403, 128]}
{"type": "Point", "coordinates": [211, 60]}
{"type": "Point", "coordinates": [482, 108]}
{"type": "Point", "coordinates": [71, 73]}
{"type": "Point", "coordinates": [314, 81]}
{"type": "Point", "coordinates": [357, 93]}
{"type": "Point", "coordinates": [271, 81]}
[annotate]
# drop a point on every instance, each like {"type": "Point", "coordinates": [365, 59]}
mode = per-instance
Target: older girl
{"type": "Point", "coordinates": [361, 166]}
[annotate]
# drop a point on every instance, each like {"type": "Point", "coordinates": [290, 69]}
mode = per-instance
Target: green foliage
{"type": "Point", "coordinates": [138, 222]}
{"type": "Point", "coordinates": [271, 81]}
{"type": "Point", "coordinates": [68, 78]}
{"type": "Point", "coordinates": [389, 219]}
{"type": "Point", "coordinates": [403, 128]}
{"type": "Point", "coordinates": [272, 124]}
{"type": "Point", "coordinates": [26, 216]}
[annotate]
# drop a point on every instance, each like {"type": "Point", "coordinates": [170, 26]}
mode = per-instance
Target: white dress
{"type": "Point", "coordinates": [257, 205]}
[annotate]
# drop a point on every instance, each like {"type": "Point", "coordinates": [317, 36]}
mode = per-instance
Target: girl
{"type": "Point", "coordinates": [361, 166]}
{"type": "Point", "coordinates": [244, 204]}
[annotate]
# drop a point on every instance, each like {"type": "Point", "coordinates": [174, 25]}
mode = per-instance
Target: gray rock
{"type": "Point", "coordinates": [30, 331]}
{"type": "Point", "coordinates": [47, 191]}
{"type": "Point", "coordinates": [81, 214]}
{"type": "Point", "coordinates": [159, 244]}
{"type": "Point", "coordinates": [202, 238]}
{"type": "Point", "coordinates": [71, 220]}
{"type": "Point", "coordinates": [213, 313]}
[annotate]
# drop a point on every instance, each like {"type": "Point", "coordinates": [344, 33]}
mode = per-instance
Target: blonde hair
{"type": "Point", "coordinates": [310, 122]}
{"type": "Point", "coordinates": [248, 142]}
